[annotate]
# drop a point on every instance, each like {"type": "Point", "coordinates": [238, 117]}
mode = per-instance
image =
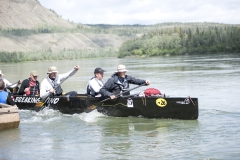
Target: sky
{"type": "Point", "coordinates": [145, 11]}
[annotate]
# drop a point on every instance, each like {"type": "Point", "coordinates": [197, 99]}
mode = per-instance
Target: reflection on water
{"type": "Point", "coordinates": [132, 136]}
{"type": "Point", "coordinates": [214, 79]}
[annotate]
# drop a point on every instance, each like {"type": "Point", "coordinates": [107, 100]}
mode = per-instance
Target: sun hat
{"type": "Point", "coordinates": [34, 73]}
{"type": "Point", "coordinates": [52, 69]}
{"type": "Point", "coordinates": [1, 72]}
{"type": "Point", "coordinates": [121, 68]}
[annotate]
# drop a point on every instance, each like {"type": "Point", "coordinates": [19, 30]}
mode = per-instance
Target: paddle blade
{"type": "Point", "coordinates": [38, 106]}
{"type": "Point", "coordinates": [90, 108]}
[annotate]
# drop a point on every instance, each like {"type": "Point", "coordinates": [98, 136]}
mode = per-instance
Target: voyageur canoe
{"type": "Point", "coordinates": [149, 107]}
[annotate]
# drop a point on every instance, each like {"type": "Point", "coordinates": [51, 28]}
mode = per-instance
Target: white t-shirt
{"type": "Point", "coordinates": [95, 85]}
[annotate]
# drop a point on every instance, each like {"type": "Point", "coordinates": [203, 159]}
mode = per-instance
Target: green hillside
{"type": "Point", "coordinates": [182, 38]}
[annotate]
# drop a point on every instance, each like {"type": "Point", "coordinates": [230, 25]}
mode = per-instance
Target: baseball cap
{"type": "Point", "coordinates": [99, 70]}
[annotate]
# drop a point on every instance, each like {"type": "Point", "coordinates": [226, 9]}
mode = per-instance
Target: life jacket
{"type": "Point", "coordinates": [89, 88]}
{"type": "Point", "coordinates": [124, 86]}
{"type": "Point", "coordinates": [54, 84]}
{"type": "Point", "coordinates": [120, 85]}
{"type": "Point", "coordinates": [3, 97]}
{"type": "Point", "coordinates": [33, 88]}
{"type": "Point", "coordinates": [151, 91]}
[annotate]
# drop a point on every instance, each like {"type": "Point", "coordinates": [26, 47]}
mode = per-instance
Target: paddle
{"type": "Point", "coordinates": [94, 106]}
{"type": "Point", "coordinates": [41, 104]}
{"type": "Point", "coordinates": [9, 87]}
{"type": "Point", "coordinates": [12, 84]}
{"type": "Point", "coordinates": [5, 105]}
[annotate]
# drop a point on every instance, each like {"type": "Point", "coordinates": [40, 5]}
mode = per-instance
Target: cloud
{"type": "Point", "coordinates": [146, 11]}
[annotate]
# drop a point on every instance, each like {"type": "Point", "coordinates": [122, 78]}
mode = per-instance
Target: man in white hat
{"type": "Point", "coordinates": [53, 80]}
{"type": "Point", "coordinates": [7, 83]}
{"type": "Point", "coordinates": [30, 86]}
{"type": "Point", "coordinates": [119, 82]}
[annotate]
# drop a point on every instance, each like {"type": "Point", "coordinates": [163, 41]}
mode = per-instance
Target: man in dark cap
{"type": "Point", "coordinates": [96, 83]}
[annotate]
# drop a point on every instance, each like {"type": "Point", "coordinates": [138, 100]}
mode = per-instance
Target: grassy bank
{"type": "Point", "coordinates": [62, 55]}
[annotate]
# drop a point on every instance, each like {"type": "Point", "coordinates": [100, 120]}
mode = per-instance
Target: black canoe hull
{"type": "Point", "coordinates": [149, 107]}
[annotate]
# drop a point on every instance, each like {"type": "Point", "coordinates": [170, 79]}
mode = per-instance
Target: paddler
{"type": "Point", "coordinates": [119, 82]}
{"type": "Point", "coordinates": [5, 97]}
{"type": "Point", "coordinates": [30, 86]}
{"type": "Point", "coordinates": [7, 83]}
{"type": "Point", "coordinates": [52, 80]}
{"type": "Point", "coordinates": [96, 83]}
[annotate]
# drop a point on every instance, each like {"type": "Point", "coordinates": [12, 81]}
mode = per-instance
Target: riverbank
{"type": "Point", "coordinates": [62, 55]}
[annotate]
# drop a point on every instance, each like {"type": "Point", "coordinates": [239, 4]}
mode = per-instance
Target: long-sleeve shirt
{"type": "Point", "coordinates": [47, 84]}
{"type": "Point", "coordinates": [7, 83]}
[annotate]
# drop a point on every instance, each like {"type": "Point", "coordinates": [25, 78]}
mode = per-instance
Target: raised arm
{"type": "Point", "coordinates": [65, 75]}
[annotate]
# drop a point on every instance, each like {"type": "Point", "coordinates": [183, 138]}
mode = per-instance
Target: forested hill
{"type": "Point", "coordinates": [181, 38]}
{"type": "Point", "coordinates": [30, 32]}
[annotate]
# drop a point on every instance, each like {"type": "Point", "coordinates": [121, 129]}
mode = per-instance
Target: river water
{"type": "Point", "coordinates": [214, 79]}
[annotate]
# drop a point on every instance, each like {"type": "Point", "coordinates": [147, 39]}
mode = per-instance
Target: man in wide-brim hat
{"type": "Point", "coordinates": [119, 82]}
{"type": "Point", "coordinates": [51, 83]}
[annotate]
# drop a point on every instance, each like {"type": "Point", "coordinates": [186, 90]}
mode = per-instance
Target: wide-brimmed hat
{"type": "Point", "coordinates": [1, 72]}
{"type": "Point", "coordinates": [52, 69]}
{"type": "Point", "coordinates": [34, 73]}
{"type": "Point", "coordinates": [99, 70]}
{"type": "Point", "coordinates": [121, 68]}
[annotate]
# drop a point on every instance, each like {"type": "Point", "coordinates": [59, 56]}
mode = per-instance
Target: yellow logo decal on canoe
{"type": "Point", "coordinates": [39, 104]}
{"type": "Point", "coordinates": [161, 102]}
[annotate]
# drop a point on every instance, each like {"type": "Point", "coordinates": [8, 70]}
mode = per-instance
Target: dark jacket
{"type": "Point", "coordinates": [25, 84]}
{"type": "Point", "coordinates": [113, 87]}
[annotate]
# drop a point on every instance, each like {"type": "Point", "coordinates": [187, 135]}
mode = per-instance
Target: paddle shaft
{"type": "Point", "coordinates": [123, 92]}
{"type": "Point", "coordinates": [11, 84]}
{"type": "Point", "coordinates": [91, 109]}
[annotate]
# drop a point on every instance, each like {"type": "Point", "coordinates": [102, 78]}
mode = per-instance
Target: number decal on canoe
{"type": "Point", "coordinates": [161, 102]}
